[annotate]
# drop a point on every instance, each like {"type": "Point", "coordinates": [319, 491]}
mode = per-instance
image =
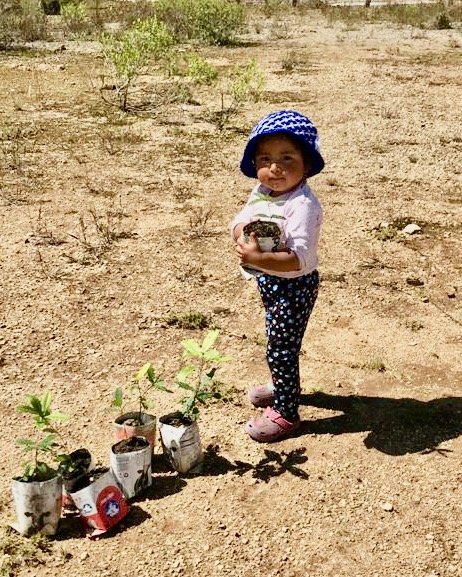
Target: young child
{"type": "Point", "coordinates": [282, 152]}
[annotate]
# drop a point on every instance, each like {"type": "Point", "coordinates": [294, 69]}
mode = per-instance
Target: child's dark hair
{"type": "Point", "coordinates": [306, 154]}
{"type": "Point", "coordinates": [287, 122]}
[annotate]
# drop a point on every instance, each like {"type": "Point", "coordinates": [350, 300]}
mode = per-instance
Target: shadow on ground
{"type": "Point", "coordinates": [273, 464]}
{"type": "Point", "coordinates": [395, 426]}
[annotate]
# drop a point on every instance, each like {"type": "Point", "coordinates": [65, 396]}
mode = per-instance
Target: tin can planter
{"type": "Point", "coordinates": [100, 502]}
{"type": "Point", "coordinates": [80, 462]}
{"type": "Point", "coordinates": [38, 505]}
{"type": "Point", "coordinates": [131, 465]}
{"type": "Point", "coordinates": [129, 425]}
{"type": "Point", "coordinates": [181, 442]}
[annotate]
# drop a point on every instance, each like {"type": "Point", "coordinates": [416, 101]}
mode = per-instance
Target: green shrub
{"type": "Point", "coordinates": [129, 52]}
{"type": "Point", "coordinates": [218, 21]}
{"type": "Point", "coordinates": [199, 70]}
{"type": "Point", "coordinates": [247, 83]}
{"type": "Point", "coordinates": [75, 17]}
{"type": "Point", "coordinates": [178, 16]}
{"type": "Point", "coordinates": [211, 21]}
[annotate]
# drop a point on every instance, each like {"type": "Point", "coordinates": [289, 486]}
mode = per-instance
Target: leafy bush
{"type": "Point", "coordinates": [247, 83]}
{"type": "Point", "coordinates": [178, 16]}
{"type": "Point", "coordinates": [129, 52]}
{"type": "Point", "coordinates": [75, 17]}
{"type": "Point", "coordinates": [218, 21]}
{"type": "Point", "coordinates": [211, 21]}
{"type": "Point", "coordinates": [199, 70]}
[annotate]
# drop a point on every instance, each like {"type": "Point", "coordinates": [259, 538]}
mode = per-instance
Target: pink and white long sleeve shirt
{"type": "Point", "coordinates": [299, 215]}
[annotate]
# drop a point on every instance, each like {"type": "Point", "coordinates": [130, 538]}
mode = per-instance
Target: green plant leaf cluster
{"type": "Point", "coordinates": [247, 83]}
{"type": "Point", "coordinates": [211, 21]}
{"type": "Point", "coordinates": [129, 52]}
{"type": "Point", "coordinates": [44, 418]}
{"type": "Point", "coordinates": [144, 382]}
{"type": "Point", "coordinates": [198, 377]}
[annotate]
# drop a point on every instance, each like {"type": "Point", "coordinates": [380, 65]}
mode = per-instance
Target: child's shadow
{"type": "Point", "coordinates": [396, 426]}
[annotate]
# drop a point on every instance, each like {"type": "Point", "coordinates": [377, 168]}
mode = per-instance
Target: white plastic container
{"type": "Point", "coordinates": [181, 444]}
{"type": "Point", "coordinates": [38, 506]}
{"type": "Point", "coordinates": [132, 470]}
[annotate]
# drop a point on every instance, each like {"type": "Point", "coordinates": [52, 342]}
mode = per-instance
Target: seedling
{"type": "Point", "coordinates": [144, 382]}
{"type": "Point", "coordinates": [198, 378]}
{"type": "Point", "coordinates": [44, 418]}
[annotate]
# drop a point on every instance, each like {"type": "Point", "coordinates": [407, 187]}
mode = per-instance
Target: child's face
{"type": "Point", "coordinates": [279, 163]}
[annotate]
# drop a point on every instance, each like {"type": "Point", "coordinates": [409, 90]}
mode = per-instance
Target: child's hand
{"type": "Point", "coordinates": [249, 252]}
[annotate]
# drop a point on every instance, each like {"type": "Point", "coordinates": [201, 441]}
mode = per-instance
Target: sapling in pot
{"type": "Point", "coordinates": [267, 231]}
{"type": "Point", "coordinates": [37, 492]}
{"type": "Point", "coordinates": [179, 430]}
{"type": "Point", "coordinates": [138, 422]}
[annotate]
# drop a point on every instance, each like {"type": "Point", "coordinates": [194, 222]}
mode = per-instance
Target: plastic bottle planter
{"type": "Point", "coordinates": [126, 427]}
{"type": "Point", "coordinates": [38, 505]}
{"type": "Point", "coordinates": [268, 237]}
{"type": "Point", "coordinates": [181, 442]}
{"type": "Point", "coordinates": [131, 465]}
{"type": "Point", "coordinates": [83, 462]}
{"type": "Point", "coordinates": [100, 502]}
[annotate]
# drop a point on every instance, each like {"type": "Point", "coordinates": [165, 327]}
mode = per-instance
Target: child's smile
{"type": "Point", "coordinates": [279, 162]}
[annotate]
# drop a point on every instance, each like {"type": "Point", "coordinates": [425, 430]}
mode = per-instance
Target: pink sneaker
{"type": "Point", "coordinates": [261, 396]}
{"type": "Point", "coordinates": [270, 427]}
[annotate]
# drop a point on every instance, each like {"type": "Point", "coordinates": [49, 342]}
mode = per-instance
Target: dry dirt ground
{"type": "Point", "coordinates": [371, 487]}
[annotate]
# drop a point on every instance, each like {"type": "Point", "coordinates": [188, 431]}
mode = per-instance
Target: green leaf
{"type": "Point", "coordinates": [163, 388]}
{"type": "Point", "coordinates": [117, 400]}
{"type": "Point", "coordinates": [26, 444]}
{"type": "Point", "coordinates": [212, 355]}
{"type": "Point", "coordinates": [185, 386]}
{"type": "Point", "coordinates": [26, 409]}
{"type": "Point", "coordinates": [184, 372]}
{"type": "Point", "coordinates": [143, 372]}
{"type": "Point", "coordinates": [58, 417]}
{"type": "Point", "coordinates": [46, 402]}
{"type": "Point", "coordinates": [192, 348]}
{"type": "Point", "coordinates": [35, 404]}
{"type": "Point", "coordinates": [46, 443]}
{"type": "Point", "coordinates": [209, 340]}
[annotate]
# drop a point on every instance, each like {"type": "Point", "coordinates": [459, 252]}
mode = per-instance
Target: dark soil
{"type": "Point", "coordinates": [176, 419]}
{"type": "Point", "coordinates": [89, 478]}
{"type": "Point", "coordinates": [262, 229]}
{"type": "Point", "coordinates": [130, 445]}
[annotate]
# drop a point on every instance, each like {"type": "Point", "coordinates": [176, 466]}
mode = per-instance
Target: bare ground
{"type": "Point", "coordinates": [372, 484]}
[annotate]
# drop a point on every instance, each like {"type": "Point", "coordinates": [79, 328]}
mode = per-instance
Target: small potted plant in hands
{"type": "Point", "coordinates": [266, 230]}
{"type": "Point", "coordinates": [179, 431]}
{"type": "Point", "coordinates": [37, 493]}
{"type": "Point", "coordinates": [138, 423]}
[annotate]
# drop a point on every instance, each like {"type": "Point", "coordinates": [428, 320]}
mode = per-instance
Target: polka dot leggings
{"type": "Point", "coordinates": [288, 304]}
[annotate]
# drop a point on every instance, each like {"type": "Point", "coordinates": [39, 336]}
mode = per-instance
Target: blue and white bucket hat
{"type": "Point", "coordinates": [284, 122]}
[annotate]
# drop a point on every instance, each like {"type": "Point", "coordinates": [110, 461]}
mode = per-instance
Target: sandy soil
{"type": "Point", "coordinates": [371, 487]}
